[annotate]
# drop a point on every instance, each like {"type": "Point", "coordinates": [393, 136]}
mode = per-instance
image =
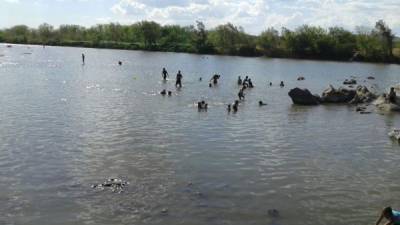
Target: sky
{"type": "Point", "coordinates": [253, 15]}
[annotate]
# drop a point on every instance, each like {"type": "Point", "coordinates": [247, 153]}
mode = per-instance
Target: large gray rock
{"type": "Point", "coordinates": [383, 104]}
{"type": "Point", "coordinates": [303, 97]}
{"type": "Point", "coordinates": [341, 95]}
{"type": "Point", "coordinates": [363, 95]}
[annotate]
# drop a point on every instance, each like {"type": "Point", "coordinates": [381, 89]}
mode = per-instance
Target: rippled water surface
{"type": "Point", "coordinates": [64, 127]}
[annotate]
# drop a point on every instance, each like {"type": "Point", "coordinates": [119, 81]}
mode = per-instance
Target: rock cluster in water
{"type": "Point", "coordinates": [359, 95]}
{"type": "Point", "coordinates": [395, 134]}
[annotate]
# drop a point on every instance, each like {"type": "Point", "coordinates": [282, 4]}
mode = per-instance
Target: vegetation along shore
{"type": "Point", "coordinates": [377, 44]}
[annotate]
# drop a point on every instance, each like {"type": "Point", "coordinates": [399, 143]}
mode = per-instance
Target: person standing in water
{"type": "Point", "coordinates": [392, 95]}
{"type": "Point", "coordinates": [83, 59]}
{"type": "Point", "coordinates": [215, 78]}
{"type": "Point", "coordinates": [164, 74]}
{"type": "Point", "coordinates": [391, 215]}
{"type": "Point", "coordinates": [240, 81]}
{"type": "Point", "coordinates": [179, 79]}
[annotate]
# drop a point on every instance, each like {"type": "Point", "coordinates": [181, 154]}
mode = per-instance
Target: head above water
{"type": "Point", "coordinates": [387, 212]}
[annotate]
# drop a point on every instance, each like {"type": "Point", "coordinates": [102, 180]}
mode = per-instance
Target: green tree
{"type": "Point", "coordinates": [46, 33]}
{"type": "Point", "coordinates": [151, 32]}
{"type": "Point", "coordinates": [268, 42]}
{"type": "Point", "coordinates": [386, 36]}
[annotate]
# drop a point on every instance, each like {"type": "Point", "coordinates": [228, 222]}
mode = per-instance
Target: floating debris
{"type": "Point", "coordinates": [115, 184]}
{"type": "Point", "coordinates": [164, 211]}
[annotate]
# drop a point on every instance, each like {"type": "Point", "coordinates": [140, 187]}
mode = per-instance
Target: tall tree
{"type": "Point", "coordinates": [387, 37]}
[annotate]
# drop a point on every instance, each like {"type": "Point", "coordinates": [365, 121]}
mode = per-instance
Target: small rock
{"type": "Point", "coordinates": [164, 211]}
{"type": "Point", "coordinates": [395, 134]}
{"type": "Point", "coordinates": [350, 82]}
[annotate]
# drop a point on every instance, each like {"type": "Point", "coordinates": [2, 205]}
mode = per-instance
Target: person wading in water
{"type": "Point", "coordinates": [164, 74]}
{"type": "Point", "coordinates": [179, 79]}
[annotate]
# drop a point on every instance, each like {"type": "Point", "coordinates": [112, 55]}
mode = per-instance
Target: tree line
{"type": "Point", "coordinates": [311, 42]}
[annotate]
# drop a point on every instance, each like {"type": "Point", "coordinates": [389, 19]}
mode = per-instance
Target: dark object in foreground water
{"type": "Point", "coordinates": [274, 213]}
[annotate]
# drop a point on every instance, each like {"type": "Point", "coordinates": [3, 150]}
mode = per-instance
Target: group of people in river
{"type": "Point", "coordinates": [244, 84]}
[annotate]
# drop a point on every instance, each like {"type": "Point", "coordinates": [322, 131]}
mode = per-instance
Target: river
{"type": "Point", "coordinates": [65, 127]}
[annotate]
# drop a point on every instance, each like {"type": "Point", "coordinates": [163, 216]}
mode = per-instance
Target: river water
{"type": "Point", "coordinates": [65, 127]}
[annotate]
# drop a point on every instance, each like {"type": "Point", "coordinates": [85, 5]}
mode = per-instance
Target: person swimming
{"type": "Point", "coordinates": [282, 84]}
{"type": "Point", "coordinates": [240, 81]}
{"type": "Point", "coordinates": [391, 215]}
{"type": "Point", "coordinates": [215, 79]}
{"type": "Point", "coordinates": [270, 83]}
{"type": "Point", "coordinates": [179, 79]}
{"type": "Point", "coordinates": [120, 63]}
{"type": "Point", "coordinates": [261, 103]}
{"type": "Point", "coordinates": [169, 93]}
{"type": "Point", "coordinates": [163, 92]}
{"type": "Point", "coordinates": [202, 105]}
{"type": "Point", "coordinates": [164, 74]}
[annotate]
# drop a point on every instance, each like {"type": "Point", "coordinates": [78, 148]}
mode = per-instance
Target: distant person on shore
{"type": "Point", "coordinates": [164, 74]}
{"type": "Point", "coordinates": [391, 215]}
{"type": "Point", "coordinates": [282, 84]}
{"type": "Point", "coordinates": [179, 79]}
{"type": "Point", "coordinates": [215, 79]}
{"type": "Point", "coordinates": [83, 59]}
{"type": "Point", "coordinates": [392, 95]}
{"type": "Point", "coordinates": [240, 81]}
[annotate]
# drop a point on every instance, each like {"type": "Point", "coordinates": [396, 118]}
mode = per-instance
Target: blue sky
{"type": "Point", "coordinates": [253, 15]}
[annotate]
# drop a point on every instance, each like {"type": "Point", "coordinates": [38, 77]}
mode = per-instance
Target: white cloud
{"type": "Point", "coordinates": [256, 15]}
{"type": "Point", "coordinates": [11, 1]}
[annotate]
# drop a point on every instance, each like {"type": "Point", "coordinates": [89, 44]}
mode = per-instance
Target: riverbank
{"type": "Point", "coordinates": [138, 47]}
